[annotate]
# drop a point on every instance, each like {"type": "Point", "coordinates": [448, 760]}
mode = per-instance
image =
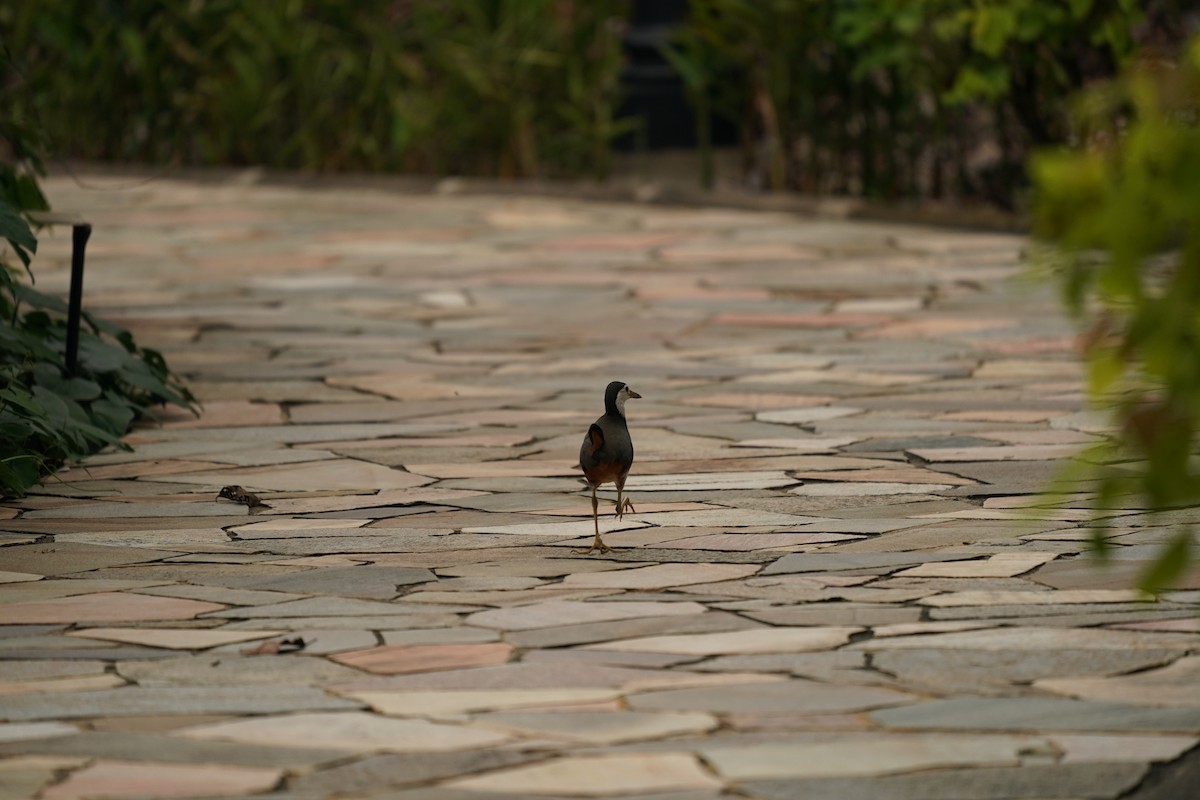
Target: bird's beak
{"type": "Point", "coordinates": [633, 394]}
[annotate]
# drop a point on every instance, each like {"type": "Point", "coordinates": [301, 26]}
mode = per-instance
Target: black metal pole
{"type": "Point", "coordinates": [79, 239]}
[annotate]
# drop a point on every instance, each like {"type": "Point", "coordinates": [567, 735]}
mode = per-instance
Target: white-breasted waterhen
{"type": "Point", "coordinates": [607, 455]}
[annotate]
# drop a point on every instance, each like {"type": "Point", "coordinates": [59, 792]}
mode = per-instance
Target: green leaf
{"type": "Point", "coordinates": [18, 233]}
{"type": "Point", "coordinates": [1170, 564]}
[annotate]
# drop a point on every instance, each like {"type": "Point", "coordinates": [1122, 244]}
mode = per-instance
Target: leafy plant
{"type": "Point", "coordinates": [490, 87]}
{"type": "Point", "coordinates": [1121, 216]}
{"type": "Point", "coordinates": [48, 416]}
{"type": "Point", "coordinates": [899, 98]}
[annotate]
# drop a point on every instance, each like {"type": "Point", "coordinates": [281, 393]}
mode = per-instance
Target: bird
{"type": "Point", "coordinates": [607, 454]}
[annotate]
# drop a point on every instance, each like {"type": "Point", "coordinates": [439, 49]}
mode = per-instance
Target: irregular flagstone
{"type": "Point", "coordinates": [568, 612]}
{"type": "Point", "coordinates": [1003, 639]}
{"type": "Point", "coordinates": [358, 581]}
{"type": "Point", "coordinates": [19, 577]}
{"type": "Point", "coordinates": [134, 701]}
{"type": "Point", "coordinates": [232, 668]}
{"type": "Point", "coordinates": [1033, 597]}
{"type": "Point", "coordinates": [868, 755]}
{"type": "Point", "coordinates": [859, 488]}
{"type": "Point", "coordinates": [437, 703]}
{"type": "Point", "coordinates": [596, 776]}
{"type": "Point", "coordinates": [24, 731]}
{"type": "Point", "coordinates": [661, 575]}
{"type": "Point", "coordinates": [106, 607]}
{"type": "Point", "coordinates": [173, 639]}
{"type": "Point", "coordinates": [755, 541]}
{"type": "Point", "coordinates": [599, 727]}
{"type": "Point", "coordinates": [1000, 565]}
{"type": "Point", "coordinates": [799, 416]}
{"type": "Point", "coordinates": [403, 659]}
{"type": "Point", "coordinates": [390, 771]}
{"type": "Point", "coordinates": [729, 517]}
{"type": "Point", "coordinates": [1036, 713]}
{"type": "Point", "coordinates": [78, 684]}
{"type": "Point", "coordinates": [560, 530]}
{"type": "Point", "coordinates": [1170, 686]}
{"type": "Point", "coordinates": [145, 779]}
{"type": "Point", "coordinates": [349, 730]}
{"type": "Point", "coordinates": [764, 640]}
{"type": "Point", "coordinates": [794, 696]}
{"type": "Point", "coordinates": [1026, 452]}
{"type": "Point", "coordinates": [708, 481]}
{"type": "Point", "coordinates": [1090, 748]}
{"type": "Point", "coordinates": [316, 607]}
{"type": "Point", "coordinates": [343, 474]}
{"type": "Point", "coordinates": [1072, 781]}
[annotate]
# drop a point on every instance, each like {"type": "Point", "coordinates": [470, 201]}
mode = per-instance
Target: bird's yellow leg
{"type": "Point", "coordinates": [599, 543]}
{"type": "Point", "coordinates": [623, 506]}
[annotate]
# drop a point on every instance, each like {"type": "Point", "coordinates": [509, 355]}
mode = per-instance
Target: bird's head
{"type": "Point", "coordinates": [615, 396]}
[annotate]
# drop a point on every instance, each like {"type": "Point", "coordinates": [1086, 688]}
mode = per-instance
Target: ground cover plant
{"type": "Point", "coordinates": [47, 415]}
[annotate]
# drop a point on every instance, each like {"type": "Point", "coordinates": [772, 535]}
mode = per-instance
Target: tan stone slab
{"type": "Point", "coordinates": [409, 386]}
{"type": "Point", "coordinates": [815, 444]}
{"type": "Point", "coordinates": [1170, 687]}
{"type": "Point", "coordinates": [113, 779]}
{"type": "Point", "coordinates": [403, 659]}
{"type": "Point", "coordinates": [352, 731]}
{"type": "Point", "coordinates": [860, 488]}
{"type": "Point", "coordinates": [661, 576]}
{"type": "Point", "coordinates": [19, 577]}
{"type": "Point", "coordinates": [106, 607]}
{"type": "Point", "coordinates": [338, 474]}
{"type": "Point", "coordinates": [568, 612]}
{"type": "Point", "coordinates": [708, 481]}
{"type": "Point", "coordinates": [298, 524]}
{"type": "Point", "coordinates": [1016, 452]}
{"type": "Point", "coordinates": [800, 416]}
{"type": "Point", "coordinates": [984, 597]}
{"type": "Point", "coordinates": [24, 731]}
{"type": "Point", "coordinates": [600, 727]}
{"type": "Point", "coordinates": [868, 755]}
{"type": "Point", "coordinates": [497, 469]}
{"type": "Point", "coordinates": [1103, 747]}
{"type": "Point", "coordinates": [757, 640]}
{"type": "Point", "coordinates": [75, 684]}
{"type": "Point", "coordinates": [596, 776]}
{"type": "Point", "coordinates": [1000, 565]}
{"type": "Point", "coordinates": [723, 517]}
{"type": "Point", "coordinates": [561, 530]}
{"type": "Point", "coordinates": [174, 638]}
{"type": "Point", "coordinates": [419, 703]}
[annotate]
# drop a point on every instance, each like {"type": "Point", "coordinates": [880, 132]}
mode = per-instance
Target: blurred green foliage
{"type": "Point", "coordinates": [47, 415]}
{"type": "Point", "coordinates": [899, 98]}
{"type": "Point", "coordinates": [490, 87]}
{"type": "Point", "coordinates": [1121, 215]}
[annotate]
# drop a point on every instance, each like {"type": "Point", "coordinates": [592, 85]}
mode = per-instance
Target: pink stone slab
{"type": "Point", "coordinates": [230, 414]}
{"type": "Point", "coordinates": [122, 779]}
{"type": "Point", "coordinates": [105, 607]}
{"type": "Point", "coordinates": [405, 659]}
{"type": "Point", "coordinates": [1001, 565]}
{"type": "Point", "coordinates": [1171, 686]}
{"type": "Point", "coordinates": [986, 597]}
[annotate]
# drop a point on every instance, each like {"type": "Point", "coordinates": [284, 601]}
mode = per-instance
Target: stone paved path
{"type": "Point", "coordinates": [834, 585]}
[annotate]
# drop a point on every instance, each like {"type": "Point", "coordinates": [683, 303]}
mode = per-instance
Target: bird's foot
{"type": "Point", "coordinates": [597, 546]}
{"type": "Point", "coordinates": [623, 507]}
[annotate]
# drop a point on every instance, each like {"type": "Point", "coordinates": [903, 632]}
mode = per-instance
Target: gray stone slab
{"type": "Point", "coordinates": [73, 557]}
{"type": "Point", "coordinates": [989, 671]}
{"type": "Point", "coordinates": [836, 614]}
{"type": "Point", "coordinates": [361, 581]}
{"type": "Point", "coordinates": [392, 771]}
{"type": "Point", "coordinates": [1089, 781]}
{"type": "Point", "coordinates": [839, 562]}
{"type": "Point", "coordinates": [795, 696]}
{"type": "Point", "coordinates": [135, 701]}
{"type": "Point", "coordinates": [233, 669]}
{"type": "Point", "coordinates": [173, 750]}
{"type": "Point", "coordinates": [1036, 713]}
